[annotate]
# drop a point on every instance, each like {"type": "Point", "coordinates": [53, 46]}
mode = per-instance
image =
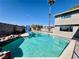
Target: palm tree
{"type": "Point", "coordinates": [50, 2]}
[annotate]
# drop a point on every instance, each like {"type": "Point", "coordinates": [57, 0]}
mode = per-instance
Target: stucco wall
{"type": "Point", "coordinates": [74, 19]}
{"type": "Point", "coordinates": [57, 31]}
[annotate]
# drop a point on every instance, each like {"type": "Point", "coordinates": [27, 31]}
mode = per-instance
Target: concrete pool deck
{"type": "Point", "coordinates": [25, 34]}
{"type": "Point", "coordinates": [67, 53]}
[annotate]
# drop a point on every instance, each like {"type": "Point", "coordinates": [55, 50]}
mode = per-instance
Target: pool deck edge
{"type": "Point", "coordinates": [24, 34]}
{"type": "Point", "coordinates": [68, 52]}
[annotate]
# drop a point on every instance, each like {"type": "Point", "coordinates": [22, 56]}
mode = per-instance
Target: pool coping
{"type": "Point", "coordinates": [67, 53]}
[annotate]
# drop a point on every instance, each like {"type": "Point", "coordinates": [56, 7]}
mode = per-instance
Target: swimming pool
{"type": "Point", "coordinates": [37, 45]}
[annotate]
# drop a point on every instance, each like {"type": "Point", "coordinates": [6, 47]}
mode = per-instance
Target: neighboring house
{"type": "Point", "coordinates": [67, 23]}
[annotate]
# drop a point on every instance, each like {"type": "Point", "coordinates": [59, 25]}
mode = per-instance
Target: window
{"type": "Point", "coordinates": [66, 16]}
{"type": "Point", "coordinates": [66, 28]}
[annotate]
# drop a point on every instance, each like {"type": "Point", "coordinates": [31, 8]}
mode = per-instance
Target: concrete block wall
{"type": "Point", "coordinates": [6, 29]}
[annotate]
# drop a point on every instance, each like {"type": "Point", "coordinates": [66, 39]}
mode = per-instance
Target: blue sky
{"type": "Point", "coordinates": [26, 12]}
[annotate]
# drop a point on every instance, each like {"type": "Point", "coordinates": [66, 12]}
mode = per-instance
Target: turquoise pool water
{"type": "Point", "coordinates": [37, 45]}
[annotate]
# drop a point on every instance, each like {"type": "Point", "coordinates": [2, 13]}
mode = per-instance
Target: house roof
{"type": "Point", "coordinates": [76, 8]}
